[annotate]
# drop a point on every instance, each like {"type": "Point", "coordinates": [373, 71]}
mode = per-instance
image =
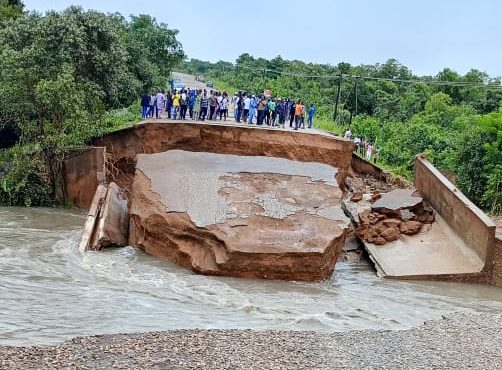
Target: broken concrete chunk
{"type": "Point", "coordinates": [399, 212]}
{"type": "Point", "coordinates": [380, 241]}
{"type": "Point", "coordinates": [406, 214]}
{"type": "Point", "coordinates": [357, 196]}
{"type": "Point", "coordinates": [92, 217]}
{"type": "Point", "coordinates": [424, 214]}
{"type": "Point", "coordinates": [108, 219]}
{"type": "Point", "coordinates": [114, 220]}
{"type": "Point", "coordinates": [392, 222]}
{"type": "Point", "coordinates": [375, 197]}
{"type": "Point", "coordinates": [364, 217]}
{"type": "Point", "coordinates": [393, 202]}
{"type": "Point", "coordinates": [390, 234]}
{"type": "Point", "coordinates": [410, 227]}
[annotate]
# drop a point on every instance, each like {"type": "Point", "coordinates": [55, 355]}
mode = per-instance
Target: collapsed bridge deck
{"type": "Point", "coordinates": [408, 257]}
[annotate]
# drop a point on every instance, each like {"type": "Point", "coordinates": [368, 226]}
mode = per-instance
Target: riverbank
{"type": "Point", "coordinates": [456, 341]}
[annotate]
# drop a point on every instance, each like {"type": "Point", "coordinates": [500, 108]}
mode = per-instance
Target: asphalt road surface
{"type": "Point", "coordinates": [189, 80]}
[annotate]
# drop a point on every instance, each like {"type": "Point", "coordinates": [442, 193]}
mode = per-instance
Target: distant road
{"type": "Point", "coordinates": [189, 80]}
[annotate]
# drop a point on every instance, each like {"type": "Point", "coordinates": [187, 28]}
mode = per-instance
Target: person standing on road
{"type": "Point", "coordinates": [272, 107]}
{"type": "Point", "coordinates": [176, 105]}
{"type": "Point", "coordinates": [262, 107]}
{"type": "Point", "coordinates": [204, 103]}
{"type": "Point", "coordinates": [311, 115]}
{"type": "Point", "coordinates": [281, 111]}
{"type": "Point", "coordinates": [292, 110]}
{"type": "Point", "coordinates": [223, 106]}
{"type": "Point", "coordinates": [151, 106]}
{"type": "Point", "coordinates": [298, 114]}
{"type": "Point", "coordinates": [251, 110]}
{"type": "Point", "coordinates": [192, 98]}
{"type": "Point", "coordinates": [183, 104]}
{"type": "Point", "coordinates": [266, 119]}
{"type": "Point", "coordinates": [369, 151]}
{"type": "Point", "coordinates": [247, 102]}
{"type": "Point", "coordinates": [239, 107]}
{"type": "Point", "coordinates": [171, 110]}
{"type": "Point", "coordinates": [219, 97]}
{"type": "Point", "coordinates": [303, 116]}
{"type": "Point", "coordinates": [213, 103]}
{"type": "Point", "coordinates": [196, 107]}
{"type": "Point", "coordinates": [160, 101]}
{"type": "Point", "coordinates": [145, 103]}
{"type": "Point", "coordinates": [233, 105]}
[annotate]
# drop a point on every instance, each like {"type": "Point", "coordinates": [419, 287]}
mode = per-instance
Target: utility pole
{"type": "Point", "coordinates": [354, 110]}
{"type": "Point", "coordinates": [337, 96]}
{"type": "Point", "coordinates": [357, 80]}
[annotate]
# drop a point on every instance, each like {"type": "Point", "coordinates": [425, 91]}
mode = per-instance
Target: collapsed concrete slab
{"type": "Point", "coordinates": [122, 146]}
{"type": "Point", "coordinates": [237, 215]}
{"type": "Point", "coordinates": [465, 227]}
{"type": "Point", "coordinates": [435, 251]}
{"type": "Point", "coordinates": [107, 221]}
{"type": "Point", "coordinates": [405, 238]}
{"type": "Point", "coordinates": [394, 202]}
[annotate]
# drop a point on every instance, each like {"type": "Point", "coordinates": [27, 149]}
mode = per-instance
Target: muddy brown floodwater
{"type": "Point", "coordinates": [50, 292]}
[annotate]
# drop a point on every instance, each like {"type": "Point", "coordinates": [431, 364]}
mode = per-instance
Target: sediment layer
{"type": "Point", "coordinates": [453, 342]}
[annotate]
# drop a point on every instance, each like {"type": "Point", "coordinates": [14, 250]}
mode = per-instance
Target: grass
{"type": "Point", "coordinates": [336, 129]}
{"type": "Point", "coordinates": [119, 119]}
{"type": "Point", "coordinates": [223, 86]}
{"type": "Point", "coordinates": [328, 125]}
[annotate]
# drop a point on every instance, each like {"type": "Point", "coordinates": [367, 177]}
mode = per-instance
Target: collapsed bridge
{"type": "Point", "coordinates": [255, 202]}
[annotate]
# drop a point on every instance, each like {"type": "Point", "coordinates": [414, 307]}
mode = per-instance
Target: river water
{"type": "Point", "coordinates": [49, 291]}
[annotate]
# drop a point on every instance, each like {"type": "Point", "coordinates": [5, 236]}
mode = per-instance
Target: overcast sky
{"type": "Point", "coordinates": [424, 35]}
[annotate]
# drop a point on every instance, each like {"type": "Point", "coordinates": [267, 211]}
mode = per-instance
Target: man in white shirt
{"type": "Point", "coordinates": [160, 100]}
{"type": "Point", "coordinates": [246, 108]}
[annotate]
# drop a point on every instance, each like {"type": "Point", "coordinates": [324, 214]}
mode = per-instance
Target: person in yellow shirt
{"type": "Point", "coordinates": [176, 104]}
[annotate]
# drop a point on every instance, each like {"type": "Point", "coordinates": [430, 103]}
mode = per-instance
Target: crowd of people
{"type": "Point", "coordinates": [245, 108]}
{"type": "Point", "coordinates": [365, 148]}
{"type": "Point", "coordinates": [201, 105]}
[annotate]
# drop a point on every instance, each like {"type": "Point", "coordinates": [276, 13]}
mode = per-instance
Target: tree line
{"type": "Point", "coordinates": [453, 119]}
{"type": "Point", "coordinates": [60, 75]}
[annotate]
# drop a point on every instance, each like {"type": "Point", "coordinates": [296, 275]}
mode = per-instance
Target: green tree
{"type": "Point", "coordinates": [10, 9]}
{"type": "Point", "coordinates": [60, 72]}
{"type": "Point", "coordinates": [158, 42]}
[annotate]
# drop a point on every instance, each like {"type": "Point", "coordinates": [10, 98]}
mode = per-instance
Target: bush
{"type": "Point", "coordinates": [492, 197]}
{"type": "Point", "coordinates": [20, 181]}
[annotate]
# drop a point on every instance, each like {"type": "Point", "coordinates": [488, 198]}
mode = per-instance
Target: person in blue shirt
{"type": "Point", "coordinates": [145, 103]}
{"type": "Point", "coordinates": [252, 109]}
{"type": "Point", "coordinates": [311, 115]}
{"type": "Point", "coordinates": [192, 97]}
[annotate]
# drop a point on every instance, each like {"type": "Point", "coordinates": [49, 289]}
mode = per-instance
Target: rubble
{"type": "Point", "coordinates": [394, 213]}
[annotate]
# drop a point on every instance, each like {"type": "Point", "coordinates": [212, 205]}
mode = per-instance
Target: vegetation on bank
{"type": "Point", "coordinates": [455, 120]}
{"type": "Point", "coordinates": [66, 77]}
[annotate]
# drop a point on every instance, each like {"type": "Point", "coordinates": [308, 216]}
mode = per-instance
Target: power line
{"type": "Point", "coordinates": [495, 86]}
